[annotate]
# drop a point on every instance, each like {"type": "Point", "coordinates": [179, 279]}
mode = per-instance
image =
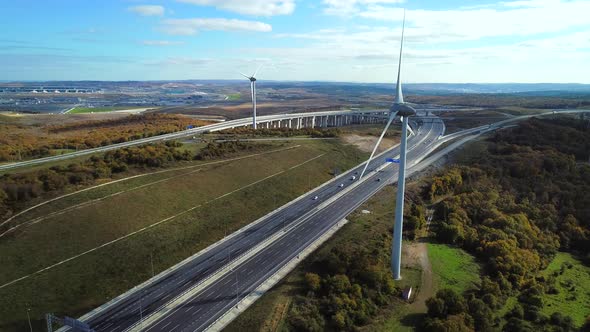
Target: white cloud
{"type": "Point", "coordinates": [147, 10]}
{"type": "Point", "coordinates": [352, 7]}
{"type": "Point", "coordinates": [191, 26]}
{"type": "Point", "coordinates": [250, 7]}
{"type": "Point", "coordinates": [514, 18]}
{"type": "Point", "coordinates": [161, 43]}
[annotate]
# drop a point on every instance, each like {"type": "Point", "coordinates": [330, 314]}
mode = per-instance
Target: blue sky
{"type": "Point", "coordinates": [326, 40]}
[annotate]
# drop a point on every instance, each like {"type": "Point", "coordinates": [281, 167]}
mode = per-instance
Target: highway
{"type": "Point", "coordinates": [184, 133]}
{"type": "Point", "coordinates": [218, 127]}
{"type": "Point", "coordinates": [198, 291]}
{"type": "Point", "coordinates": [294, 226]}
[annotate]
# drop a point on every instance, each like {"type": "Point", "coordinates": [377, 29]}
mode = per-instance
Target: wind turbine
{"type": "Point", "coordinates": [253, 91]}
{"type": "Point", "coordinates": [404, 110]}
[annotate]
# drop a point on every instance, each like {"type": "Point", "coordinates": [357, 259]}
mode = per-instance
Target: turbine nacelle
{"type": "Point", "coordinates": [402, 110]}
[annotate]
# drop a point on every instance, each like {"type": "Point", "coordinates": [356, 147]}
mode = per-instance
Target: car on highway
{"type": "Point", "coordinates": [379, 180]}
{"type": "Point", "coordinates": [341, 185]}
{"type": "Point", "coordinates": [315, 198]}
{"type": "Point", "coordinates": [353, 178]}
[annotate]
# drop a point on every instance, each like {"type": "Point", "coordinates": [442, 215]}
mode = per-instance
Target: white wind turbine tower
{"type": "Point", "coordinates": [253, 91]}
{"type": "Point", "coordinates": [404, 110]}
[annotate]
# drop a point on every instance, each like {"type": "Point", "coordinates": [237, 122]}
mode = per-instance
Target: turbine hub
{"type": "Point", "coordinates": [252, 79]}
{"type": "Point", "coordinates": [403, 109]}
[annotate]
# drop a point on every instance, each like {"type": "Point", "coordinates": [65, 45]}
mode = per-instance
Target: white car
{"type": "Point", "coordinates": [315, 198]}
{"type": "Point", "coordinates": [341, 185]}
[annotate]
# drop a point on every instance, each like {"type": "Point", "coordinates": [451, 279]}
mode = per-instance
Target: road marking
{"type": "Point", "coordinates": [88, 315]}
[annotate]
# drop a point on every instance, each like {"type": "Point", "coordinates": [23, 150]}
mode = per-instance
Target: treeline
{"type": "Point", "coordinates": [88, 134]}
{"type": "Point", "coordinates": [225, 149]}
{"type": "Point", "coordinates": [520, 201]}
{"type": "Point", "coordinates": [285, 132]}
{"type": "Point", "coordinates": [345, 287]}
{"type": "Point", "coordinates": [16, 190]}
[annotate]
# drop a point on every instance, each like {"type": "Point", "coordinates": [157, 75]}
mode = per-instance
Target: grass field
{"type": "Point", "coordinates": [234, 96]}
{"type": "Point", "coordinates": [452, 267]}
{"type": "Point", "coordinates": [79, 285]}
{"type": "Point", "coordinates": [572, 280]}
{"type": "Point", "coordinates": [79, 110]}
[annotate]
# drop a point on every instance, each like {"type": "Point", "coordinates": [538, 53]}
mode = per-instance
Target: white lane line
{"type": "Point", "coordinates": [141, 230]}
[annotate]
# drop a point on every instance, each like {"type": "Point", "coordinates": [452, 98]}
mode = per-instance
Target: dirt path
{"type": "Point", "coordinates": [366, 143]}
{"type": "Point", "coordinates": [417, 253]}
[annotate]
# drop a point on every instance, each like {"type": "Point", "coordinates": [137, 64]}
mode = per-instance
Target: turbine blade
{"type": "Point", "coordinates": [399, 97]}
{"type": "Point", "coordinates": [411, 131]}
{"type": "Point", "coordinates": [256, 72]}
{"type": "Point", "coordinates": [246, 76]}
{"type": "Point", "coordinates": [391, 117]}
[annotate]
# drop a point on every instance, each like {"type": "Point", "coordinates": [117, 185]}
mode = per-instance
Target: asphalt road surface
{"type": "Point", "coordinates": [205, 307]}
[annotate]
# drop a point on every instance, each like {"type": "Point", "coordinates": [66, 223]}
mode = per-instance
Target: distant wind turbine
{"type": "Point", "coordinates": [253, 91]}
{"type": "Point", "coordinates": [404, 110]}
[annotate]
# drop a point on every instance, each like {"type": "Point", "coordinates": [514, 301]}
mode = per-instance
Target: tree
{"type": "Point", "coordinates": [515, 324]}
{"type": "Point", "coordinates": [339, 320]}
{"type": "Point", "coordinates": [453, 323]}
{"type": "Point", "coordinates": [483, 318]}
{"type": "Point", "coordinates": [313, 281]}
{"type": "Point", "coordinates": [305, 316]}
{"type": "Point", "coordinates": [565, 323]}
{"type": "Point", "coordinates": [447, 302]}
{"type": "Point", "coordinates": [339, 283]}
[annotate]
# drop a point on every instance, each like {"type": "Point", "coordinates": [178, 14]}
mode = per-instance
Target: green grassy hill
{"type": "Point", "coordinates": [452, 267]}
{"type": "Point", "coordinates": [572, 287]}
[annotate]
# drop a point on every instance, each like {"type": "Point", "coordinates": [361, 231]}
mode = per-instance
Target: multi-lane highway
{"type": "Point", "coordinates": [291, 228]}
{"type": "Point", "coordinates": [199, 291]}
